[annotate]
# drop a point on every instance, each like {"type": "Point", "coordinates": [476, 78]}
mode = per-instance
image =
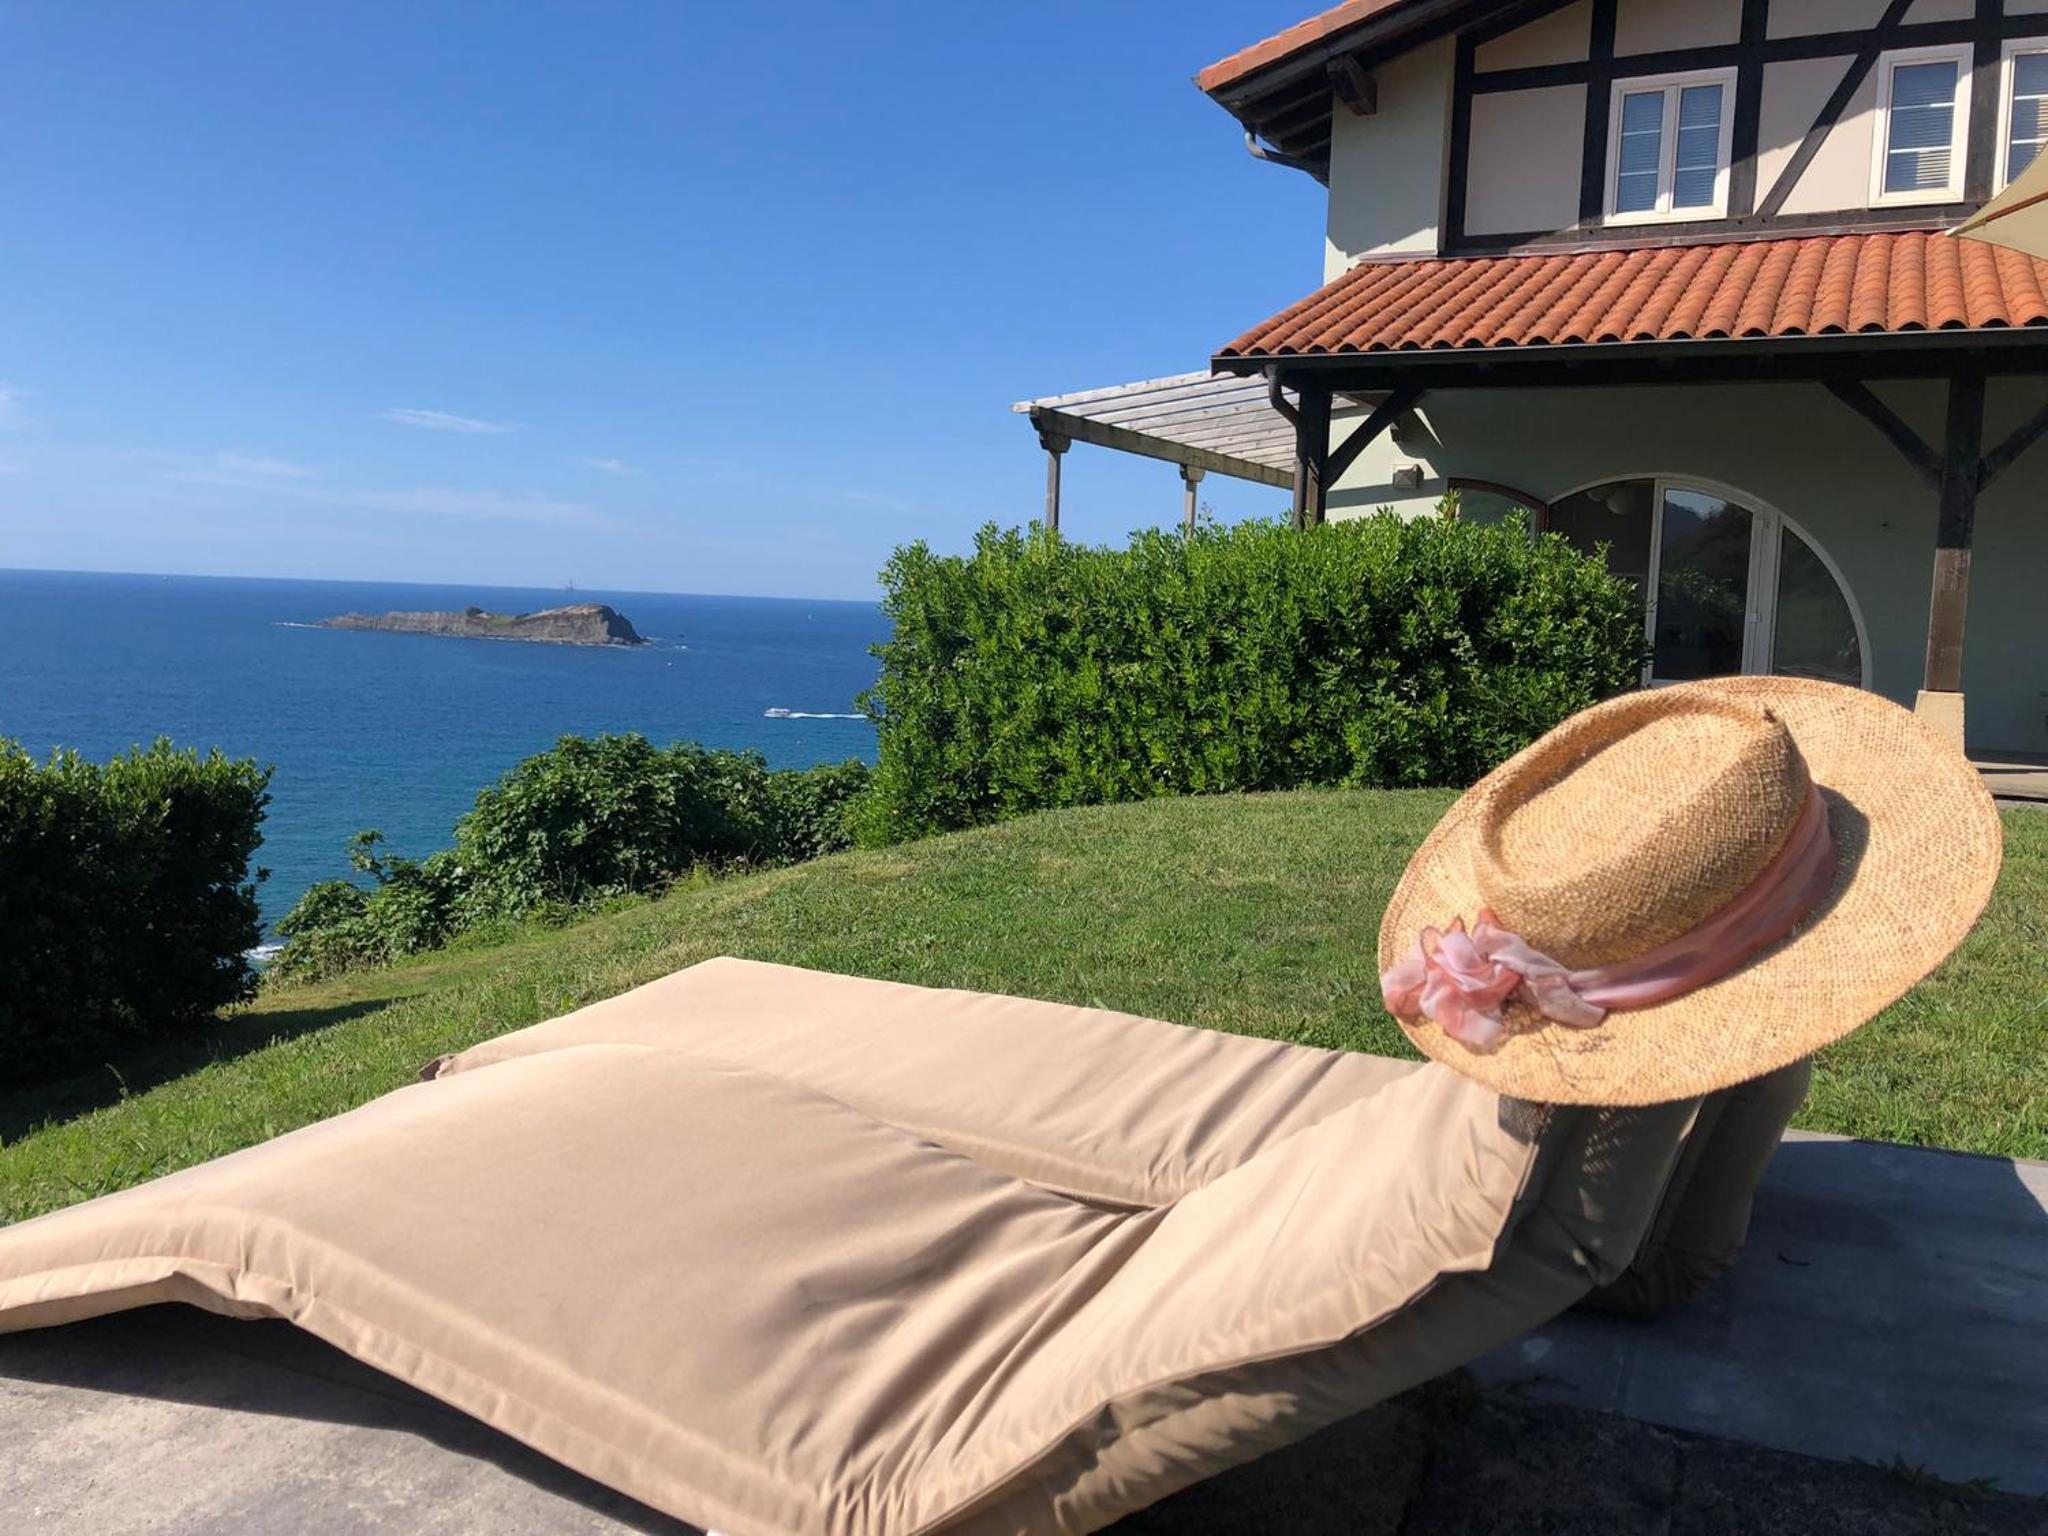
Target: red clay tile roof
{"type": "Point", "coordinates": [1303, 34]}
{"type": "Point", "coordinates": [1825, 284]}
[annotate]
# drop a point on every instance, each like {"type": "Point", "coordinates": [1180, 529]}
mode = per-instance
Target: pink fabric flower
{"type": "Point", "coordinates": [1461, 981]}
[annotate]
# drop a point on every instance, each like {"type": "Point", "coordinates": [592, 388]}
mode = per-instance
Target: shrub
{"type": "Point", "coordinates": [606, 814]}
{"type": "Point", "coordinates": [1037, 672]}
{"type": "Point", "coordinates": [590, 819]}
{"type": "Point", "coordinates": [809, 810]}
{"type": "Point", "coordinates": [339, 926]}
{"type": "Point", "coordinates": [126, 907]}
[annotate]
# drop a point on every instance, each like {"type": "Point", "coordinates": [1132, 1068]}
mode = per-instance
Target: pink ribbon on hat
{"type": "Point", "coordinates": [1461, 980]}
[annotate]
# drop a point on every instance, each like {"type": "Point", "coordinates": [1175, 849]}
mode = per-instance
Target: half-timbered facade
{"type": "Point", "coordinates": [1674, 275]}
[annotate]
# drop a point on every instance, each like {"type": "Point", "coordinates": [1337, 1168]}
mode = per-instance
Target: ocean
{"type": "Point", "coordinates": [399, 732]}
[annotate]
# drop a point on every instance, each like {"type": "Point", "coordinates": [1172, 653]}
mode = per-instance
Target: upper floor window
{"type": "Point", "coordinates": [1923, 114]}
{"type": "Point", "coordinates": [2025, 120]}
{"type": "Point", "coordinates": [1667, 154]}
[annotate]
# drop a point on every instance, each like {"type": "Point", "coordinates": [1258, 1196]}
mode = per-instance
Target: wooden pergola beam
{"type": "Point", "coordinates": [1055, 445]}
{"type": "Point", "coordinates": [1080, 429]}
{"type": "Point", "coordinates": [1190, 478]}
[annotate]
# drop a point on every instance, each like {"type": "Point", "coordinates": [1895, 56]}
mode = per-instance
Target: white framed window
{"type": "Point", "coordinates": [1923, 124]}
{"type": "Point", "coordinates": [1667, 147]}
{"type": "Point", "coordinates": [2023, 110]}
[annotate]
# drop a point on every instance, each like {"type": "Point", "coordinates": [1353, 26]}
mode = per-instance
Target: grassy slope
{"type": "Point", "coordinates": [1254, 914]}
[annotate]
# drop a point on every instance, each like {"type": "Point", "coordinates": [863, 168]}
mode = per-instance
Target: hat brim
{"type": "Point", "coordinates": [1918, 845]}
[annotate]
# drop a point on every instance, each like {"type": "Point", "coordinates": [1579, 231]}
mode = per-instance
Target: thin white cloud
{"type": "Point", "coordinates": [257, 467]}
{"type": "Point", "coordinates": [608, 466]}
{"type": "Point", "coordinates": [876, 499]}
{"type": "Point", "coordinates": [484, 506]}
{"type": "Point", "coordinates": [442, 421]}
{"type": "Point", "coordinates": [10, 406]}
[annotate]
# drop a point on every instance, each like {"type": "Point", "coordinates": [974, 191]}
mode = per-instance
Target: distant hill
{"type": "Point", "coordinates": [573, 624]}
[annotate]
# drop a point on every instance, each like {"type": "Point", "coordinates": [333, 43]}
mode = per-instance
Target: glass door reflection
{"type": "Point", "coordinates": [1703, 562]}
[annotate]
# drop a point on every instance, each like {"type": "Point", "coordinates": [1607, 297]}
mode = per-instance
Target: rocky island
{"type": "Point", "coordinates": [573, 624]}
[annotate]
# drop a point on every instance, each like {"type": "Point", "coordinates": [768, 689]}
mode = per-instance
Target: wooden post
{"type": "Point", "coordinates": [1190, 477]}
{"type": "Point", "coordinates": [1948, 604]}
{"type": "Point", "coordinates": [1311, 456]}
{"type": "Point", "coordinates": [1054, 445]}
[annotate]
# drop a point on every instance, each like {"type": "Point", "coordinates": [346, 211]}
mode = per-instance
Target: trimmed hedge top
{"type": "Point", "coordinates": [1037, 673]}
{"type": "Point", "coordinates": [126, 908]}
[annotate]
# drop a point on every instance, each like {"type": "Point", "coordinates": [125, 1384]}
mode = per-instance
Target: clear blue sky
{"type": "Point", "coordinates": [654, 296]}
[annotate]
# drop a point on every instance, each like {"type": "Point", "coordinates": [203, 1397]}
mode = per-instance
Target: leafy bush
{"type": "Point", "coordinates": [1038, 672]}
{"type": "Point", "coordinates": [126, 907]}
{"type": "Point", "coordinates": [808, 811]}
{"type": "Point", "coordinates": [593, 818]}
{"type": "Point", "coordinates": [604, 814]}
{"type": "Point", "coordinates": [338, 925]}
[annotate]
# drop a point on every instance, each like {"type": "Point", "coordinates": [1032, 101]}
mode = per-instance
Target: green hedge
{"type": "Point", "coordinates": [592, 818]}
{"type": "Point", "coordinates": [126, 907]}
{"type": "Point", "coordinates": [1038, 672]}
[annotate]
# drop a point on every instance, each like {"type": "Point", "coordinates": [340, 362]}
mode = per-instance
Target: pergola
{"type": "Point", "coordinates": [1205, 423]}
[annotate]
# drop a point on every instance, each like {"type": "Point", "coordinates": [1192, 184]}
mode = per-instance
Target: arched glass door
{"type": "Point", "coordinates": [1726, 587]}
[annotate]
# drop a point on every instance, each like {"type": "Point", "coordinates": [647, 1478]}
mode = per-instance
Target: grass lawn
{"type": "Point", "coordinates": [1255, 914]}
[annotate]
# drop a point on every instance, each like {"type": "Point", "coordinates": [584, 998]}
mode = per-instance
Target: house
{"type": "Point", "coordinates": [1673, 276]}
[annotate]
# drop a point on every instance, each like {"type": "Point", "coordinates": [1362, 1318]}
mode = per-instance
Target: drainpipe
{"type": "Point", "coordinates": [1280, 157]}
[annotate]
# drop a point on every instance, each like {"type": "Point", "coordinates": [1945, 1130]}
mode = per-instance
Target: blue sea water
{"type": "Point", "coordinates": [399, 732]}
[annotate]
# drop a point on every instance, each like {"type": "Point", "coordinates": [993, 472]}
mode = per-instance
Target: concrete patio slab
{"type": "Point", "coordinates": [2015, 779]}
{"type": "Point", "coordinates": [1892, 1307]}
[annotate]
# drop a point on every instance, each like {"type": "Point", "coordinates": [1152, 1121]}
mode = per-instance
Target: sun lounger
{"type": "Point", "coordinates": [789, 1254]}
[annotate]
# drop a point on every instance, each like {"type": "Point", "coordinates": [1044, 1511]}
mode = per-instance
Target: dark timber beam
{"type": "Point", "coordinates": [2001, 458]}
{"type": "Point", "coordinates": [1749, 96]}
{"type": "Point", "coordinates": [1949, 602]}
{"type": "Point", "coordinates": [1880, 37]}
{"type": "Point", "coordinates": [1856, 395]}
{"type": "Point", "coordinates": [1362, 437]}
{"type": "Point", "coordinates": [1311, 455]}
{"type": "Point", "coordinates": [1599, 88]}
{"type": "Point", "coordinates": [1840, 46]}
{"type": "Point", "coordinates": [1987, 70]}
{"type": "Point", "coordinates": [1356, 89]}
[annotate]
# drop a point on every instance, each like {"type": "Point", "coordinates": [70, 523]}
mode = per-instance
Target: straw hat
{"type": "Point", "coordinates": [1643, 823]}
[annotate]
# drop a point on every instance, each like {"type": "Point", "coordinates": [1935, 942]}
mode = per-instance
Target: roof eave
{"type": "Point", "coordinates": [1707, 359]}
{"type": "Point", "coordinates": [1398, 27]}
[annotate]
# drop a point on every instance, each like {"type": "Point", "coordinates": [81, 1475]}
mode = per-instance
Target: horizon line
{"type": "Point", "coordinates": [381, 581]}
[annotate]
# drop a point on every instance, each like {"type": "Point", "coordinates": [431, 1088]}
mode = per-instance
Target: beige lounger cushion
{"type": "Point", "coordinates": [787, 1253]}
{"type": "Point", "coordinates": [1099, 1104]}
{"type": "Point", "coordinates": [1700, 1224]}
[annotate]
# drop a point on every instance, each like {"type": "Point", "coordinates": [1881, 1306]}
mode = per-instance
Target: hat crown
{"type": "Point", "coordinates": [1631, 825]}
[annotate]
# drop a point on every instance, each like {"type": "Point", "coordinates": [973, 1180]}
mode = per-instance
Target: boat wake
{"type": "Point", "coordinates": [805, 714]}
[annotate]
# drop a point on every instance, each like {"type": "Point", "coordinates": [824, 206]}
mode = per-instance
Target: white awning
{"type": "Point", "coordinates": [1197, 420]}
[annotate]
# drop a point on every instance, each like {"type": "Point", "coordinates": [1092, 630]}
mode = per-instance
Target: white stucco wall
{"type": "Point", "coordinates": [1839, 174]}
{"type": "Point", "coordinates": [1794, 448]}
{"type": "Point", "coordinates": [1508, 187]}
{"type": "Point", "coordinates": [1387, 171]}
{"type": "Point", "coordinates": [1562, 37]}
{"type": "Point", "coordinates": [1652, 26]}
